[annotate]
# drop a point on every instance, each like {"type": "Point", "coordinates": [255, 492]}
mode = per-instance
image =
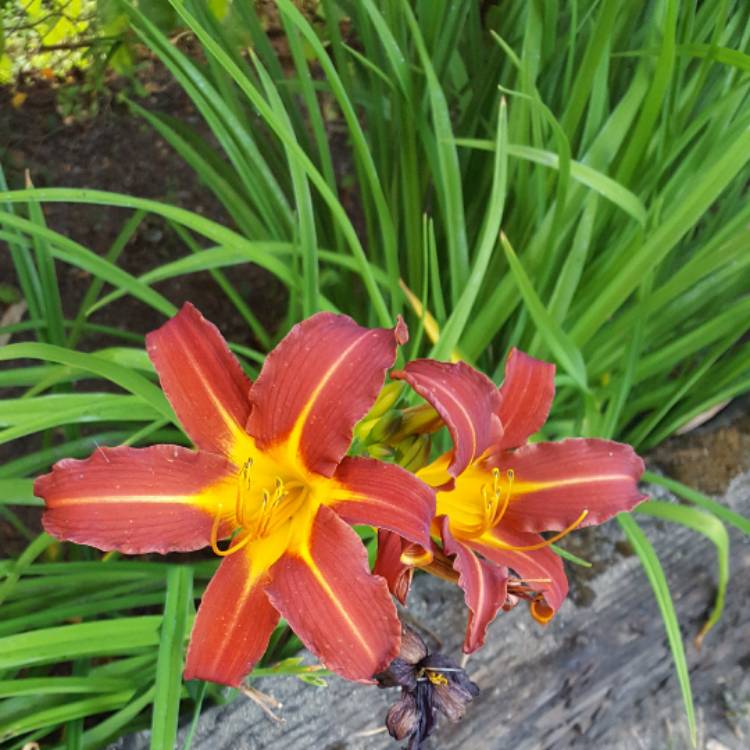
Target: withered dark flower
{"type": "Point", "coordinates": [429, 683]}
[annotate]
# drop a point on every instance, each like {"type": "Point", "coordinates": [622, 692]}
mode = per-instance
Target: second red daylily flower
{"type": "Point", "coordinates": [496, 493]}
{"type": "Point", "coordinates": [270, 473]}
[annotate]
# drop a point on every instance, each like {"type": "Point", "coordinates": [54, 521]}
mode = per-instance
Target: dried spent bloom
{"type": "Point", "coordinates": [496, 492]}
{"type": "Point", "coordinates": [429, 683]}
{"type": "Point", "coordinates": [269, 474]}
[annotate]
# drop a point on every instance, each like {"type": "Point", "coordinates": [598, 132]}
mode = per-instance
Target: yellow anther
{"type": "Point", "coordinates": [436, 678]}
{"type": "Point", "coordinates": [495, 502]}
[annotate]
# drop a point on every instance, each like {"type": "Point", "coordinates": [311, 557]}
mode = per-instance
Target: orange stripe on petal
{"type": "Point", "coordinates": [527, 393]}
{"type": "Point", "coordinates": [467, 401]}
{"type": "Point", "coordinates": [485, 587]}
{"type": "Point", "coordinates": [137, 500]}
{"type": "Point", "coordinates": [202, 380]}
{"type": "Point", "coordinates": [342, 613]}
{"type": "Point", "coordinates": [555, 482]}
{"type": "Point", "coordinates": [317, 384]}
{"type": "Point", "coordinates": [234, 623]}
{"type": "Point", "coordinates": [371, 492]}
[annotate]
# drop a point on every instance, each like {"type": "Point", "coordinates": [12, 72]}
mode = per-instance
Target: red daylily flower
{"type": "Point", "coordinates": [495, 493]}
{"type": "Point", "coordinates": [270, 471]}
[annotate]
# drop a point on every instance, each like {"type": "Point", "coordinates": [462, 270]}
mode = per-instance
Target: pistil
{"type": "Point", "coordinates": [546, 543]}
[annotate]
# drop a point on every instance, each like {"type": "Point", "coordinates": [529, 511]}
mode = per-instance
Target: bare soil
{"type": "Point", "coordinates": [118, 151]}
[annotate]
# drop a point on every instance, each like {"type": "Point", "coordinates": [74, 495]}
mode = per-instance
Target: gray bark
{"type": "Point", "coordinates": [598, 676]}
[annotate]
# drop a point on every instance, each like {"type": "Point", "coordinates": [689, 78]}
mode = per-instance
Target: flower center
{"type": "Point", "coordinates": [436, 675]}
{"type": "Point", "coordinates": [265, 502]}
{"type": "Point", "coordinates": [478, 503]}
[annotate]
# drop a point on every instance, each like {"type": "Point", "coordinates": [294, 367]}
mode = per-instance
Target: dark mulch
{"type": "Point", "coordinates": [118, 151]}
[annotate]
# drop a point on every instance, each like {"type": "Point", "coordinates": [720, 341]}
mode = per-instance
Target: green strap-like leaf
{"type": "Point", "coordinates": [655, 574]}
{"type": "Point", "coordinates": [174, 630]}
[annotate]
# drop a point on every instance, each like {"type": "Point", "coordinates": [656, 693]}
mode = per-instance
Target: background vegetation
{"type": "Point", "coordinates": [566, 177]}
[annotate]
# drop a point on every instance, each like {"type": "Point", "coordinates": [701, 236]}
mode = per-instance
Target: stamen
{"type": "Point", "coordinates": [234, 548]}
{"type": "Point", "coordinates": [215, 539]}
{"type": "Point", "coordinates": [496, 481]}
{"type": "Point", "coordinates": [436, 678]}
{"type": "Point", "coordinates": [246, 470]}
{"type": "Point", "coordinates": [510, 474]}
{"type": "Point", "coordinates": [493, 509]}
{"type": "Point", "coordinates": [551, 540]}
{"type": "Point", "coordinates": [257, 511]}
{"type": "Point", "coordinates": [238, 508]}
{"type": "Point", "coordinates": [215, 531]}
{"type": "Point", "coordinates": [239, 505]}
{"type": "Point", "coordinates": [266, 513]}
{"type": "Point", "coordinates": [489, 506]}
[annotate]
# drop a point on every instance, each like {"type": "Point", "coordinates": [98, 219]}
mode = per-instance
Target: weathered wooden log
{"type": "Point", "coordinates": [599, 676]}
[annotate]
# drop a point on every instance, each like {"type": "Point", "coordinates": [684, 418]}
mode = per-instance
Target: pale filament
{"type": "Point", "coordinates": [494, 510]}
{"type": "Point", "coordinates": [546, 543]}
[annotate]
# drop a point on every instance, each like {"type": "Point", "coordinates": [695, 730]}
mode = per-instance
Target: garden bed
{"type": "Point", "coordinates": [590, 211]}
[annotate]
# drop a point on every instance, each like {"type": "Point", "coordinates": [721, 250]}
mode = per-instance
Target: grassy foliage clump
{"type": "Point", "coordinates": [565, 177]}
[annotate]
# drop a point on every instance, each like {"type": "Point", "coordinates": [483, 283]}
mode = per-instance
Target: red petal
{"type": "Point", "coordinates": [542, 563]}
{"type": "Point", "coordinates": [555, 482]}
{"type": "Point", "coordinates": [234, 622]}
{"type": "Point", "coordinates": [201, 378]}
{"type": "Point", "coordinates": [383, 495]}
{"type": "Point", "coordinates": [343, 614]}
{"type": "Point", "coordinates": [317, 384]}
{"type": "Point", "coordinates": [466, 399]}
{"type": "Point", "coordinates": [527, 392]}
{"type": "Point", "coordinates": [388, 565]}
{"type": "Point", "coordinates": [484, 583]}
{"type": "Point", "coordinates": [136, 500]}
